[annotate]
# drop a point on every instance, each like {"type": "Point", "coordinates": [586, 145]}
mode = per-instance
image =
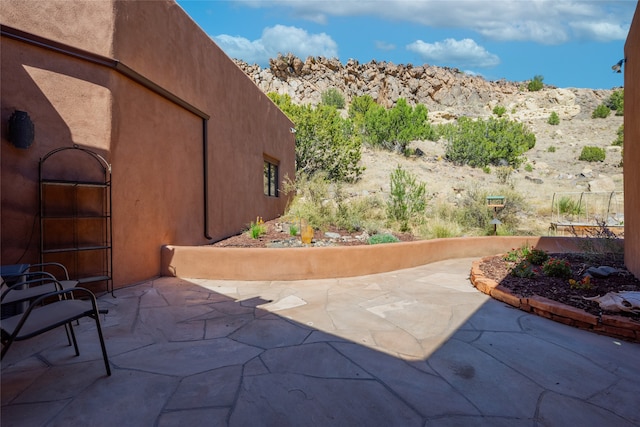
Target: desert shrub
{"type": "Point", "coordinates": [504, 174]}
{"type": "Point", "coordinates": [356, 214]}
{"type": "Point", "coordinates": [333, 98]}
{"type": "Point", "coordinates": [551, 149]}
{"type": "Point", "coordinates": [308, 203]}
{"type": "Point", "coordinates": [479, 143]}
{"type": "Point", "coordinates": [486, 169]}
{"type": "Point", "coordinates": [616, 102]}
{"type": "Point", "coordinates": [396, 127]}
{"type": "Point", "coordinates": [535, 84]}
{"type": "Point", "coordinates": [473, 213]}
{"type": "Point", "coordinates": [528, 167]}
{"type": "Point", "coordinates": [619, 141]}
{"type": "Point", "coordinates": [592, 154]}
{"type": "Point", "coordinates": [382, 238]}
{"type": "Point", "coordinates": [499, 110]}
{"type": "Point", "coordinates": [293, 230]}
{"type": "Point", "coordinates": [554, 119]}
{"type": "Point", "coordinates": [407, 198]}
{"type": "Point", "coordinates": [555, 267]}
{"type": "Point", "coordinates": [601, 112]}
{"type": "Point", "coordinates": [324, 141]}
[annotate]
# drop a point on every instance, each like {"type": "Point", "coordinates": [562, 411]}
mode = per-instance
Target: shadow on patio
{"type": "Point", "coordinates": [419, 346]}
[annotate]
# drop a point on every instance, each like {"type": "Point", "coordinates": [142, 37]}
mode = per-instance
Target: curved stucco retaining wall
{"type": "Point", "coordinates": [208, 262]}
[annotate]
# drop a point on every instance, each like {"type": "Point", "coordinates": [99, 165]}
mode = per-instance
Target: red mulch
{"type": "Point", "coordinates": [496, 268]}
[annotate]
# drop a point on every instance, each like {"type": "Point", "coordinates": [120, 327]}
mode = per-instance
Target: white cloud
{"type": "Point", "coordinates": [542, 21]}
{"type": "Point", "coordinates": [380, 45]}
{"type": "Point", "coordinates": [600, 31]}
{"type": "Point", "coordinates": [278, 39]}
{"type": "Point", "coordinates": [454, 53]}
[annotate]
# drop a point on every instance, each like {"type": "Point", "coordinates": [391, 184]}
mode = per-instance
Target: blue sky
{"type": "Point", "coordinates": [570, 43]}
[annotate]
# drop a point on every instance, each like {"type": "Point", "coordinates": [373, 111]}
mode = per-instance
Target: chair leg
{"type": "Point", "coordinates": [73, 337]}
{"type": "Point", "coordinates": [102, 346]}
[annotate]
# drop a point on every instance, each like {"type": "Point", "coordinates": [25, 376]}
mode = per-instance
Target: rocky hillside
{"type": "Point", "coordinates": [552, 166]}
{"type": "Point", "coordinates": [447, 92]}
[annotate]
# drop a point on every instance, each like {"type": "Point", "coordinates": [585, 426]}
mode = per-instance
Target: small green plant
{"type": "Point", "coordinates": [567, 205]}
{"type": "Point", "coordinates": [554, 119]}
{"type": "Point", "coordinates": [486, 169]}
{"type": "Point", "coordinates": [523, 269]}
{"type": "Point", "coordinates": [616, 102]}
{"type": "Point", "coordinates": [528, 167]}
{"type": "Point", "coordinates": [518, 254]}
{"type": "Point", "coordinates": [592, 154]}
{"type": "Point", "coordinates": [382, 238]}
{"type": "Point", "coordinates": [601, 112]}
{"type": "Point", "coordinates": [620, 139]}
{"type": "Point", "coordinates": [535, 84]}
{"type": "Point", "coordinates": [407, 197]}
{"type": "Point", "coordinates": [537, 256]}
{"type": "Point", "coordinates": [333, 98]}
{"type": "Point", "coordinates": [499, 110]}
{"type": "Point", "coordinates": [551, 149]}
{"type": "Point", "coordinates": [555, 267]}
{"type": "Point", "coordinates": [257, 229]}
{"type": "Point", "coordinates": [293, 230]}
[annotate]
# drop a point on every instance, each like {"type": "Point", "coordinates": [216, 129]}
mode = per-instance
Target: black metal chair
{"type": "Point", "coordinates": [49, 311]}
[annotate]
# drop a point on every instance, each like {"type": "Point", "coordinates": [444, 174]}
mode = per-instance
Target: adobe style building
{"type": "Point", "coordinates": [196, 150]}
{"type": "Point", "coordinates": [632, 147]}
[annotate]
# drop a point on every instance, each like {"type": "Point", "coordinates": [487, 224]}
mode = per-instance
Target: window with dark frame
{"type": "Point", "coordinates": [270, 177]}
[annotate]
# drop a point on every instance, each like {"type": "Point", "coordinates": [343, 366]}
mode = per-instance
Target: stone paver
{"type": "Point", "coordinates": [414, 347]}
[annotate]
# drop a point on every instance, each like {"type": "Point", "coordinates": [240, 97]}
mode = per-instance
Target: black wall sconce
{"type": "Point", "coordinates": [21, 130]}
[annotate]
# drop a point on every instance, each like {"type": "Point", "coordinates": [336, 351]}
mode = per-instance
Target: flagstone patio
{"type": "Point", "coordinates": [419, 346]}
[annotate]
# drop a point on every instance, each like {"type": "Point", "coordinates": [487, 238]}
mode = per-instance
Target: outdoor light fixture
{"type": "Point", "coordinates": [617, 68]}
{"type": "Point", "coordinates": [20, 129]}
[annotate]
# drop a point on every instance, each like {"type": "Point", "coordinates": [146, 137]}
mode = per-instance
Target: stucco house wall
{"type": "Point", "coordinates": [154, 141]}
{"type": "Point", "coordinates": [632, 147]}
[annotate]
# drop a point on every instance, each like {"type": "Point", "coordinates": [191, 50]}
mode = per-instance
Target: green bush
{"type": "Point", "coordinates": [567, 205]}
{"type": "Point", "coordinates": [528, 167]}
{"type": "Point", "coordinates": [551, 149]}
{"type": "Point", "coordinates": [474, 215]}
{"type": "Point", "coordinates": [620, 139]}
{"type": "Point", "coordinates": [592, 154]}
{"type": "Point", "coordinates": [555, 267]}
{"type": "Point", "coordinates": [523, 269]}
{"type": "Point", "coordinates": [499, 110]}
{"type": "Point", "coordinates": [535, 84]}
{"type": "Point", "coordinates": [407, 198]}
{"type": "Point", "coordinates": [333, 98]}
{"type": "Point", "coordinates": [601, 112]}
{"type": "Point", "coordinates": [616, 102]}
{"type": "Point", "coordinates": [324, 140]}
{"type": "Point", "coordinates": [537, 257]}
{"type": "Point", "coordinates": [382, 238]}
{"type": "Point", "coordinates": [554, 119]}
{"type": "Point", "coordinates": [479, 143]}
{"type": "Point", "coordinates": [396, 127]}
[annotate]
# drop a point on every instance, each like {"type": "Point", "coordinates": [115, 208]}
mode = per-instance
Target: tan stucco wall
{"type": "Point", "coordinates": [154, 146]}
{"type": "Point", "coordinates": [207, 262]}
{"type": "Point", "coordinates": [632, 147]}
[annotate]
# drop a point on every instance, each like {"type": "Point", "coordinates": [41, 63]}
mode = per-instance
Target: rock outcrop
{"type": "Point", "coordinates": [446, 92]}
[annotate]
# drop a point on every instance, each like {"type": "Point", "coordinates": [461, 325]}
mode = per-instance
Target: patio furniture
{"type": "Point", "coordinates": [28, 284]}
{"type": "Point", "coordinates": [52, 310]}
